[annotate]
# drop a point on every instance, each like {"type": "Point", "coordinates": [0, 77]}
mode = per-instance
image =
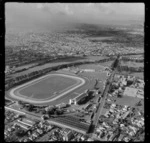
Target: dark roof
{"type": "Point", "coordinates": [81, 96]}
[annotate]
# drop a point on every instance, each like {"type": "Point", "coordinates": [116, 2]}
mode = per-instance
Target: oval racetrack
{"type": "Point", "coordinates": [44, 86]}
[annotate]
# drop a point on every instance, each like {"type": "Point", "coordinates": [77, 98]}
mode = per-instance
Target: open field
{"type": "Point", "coordinates": [107, 64]}
{"type": "Point", "coordinates": [47, 87]}
{"type": "Point", "coordinates": [135, 56]}
{"type": "Point", "coordinates": [97, 67]}
{"type": "Point", "coordinates": [126, 100]}
{"type": "Point", "coordinates": [132, 64]}
{"type": "Point", "coordinates": [136, 74]}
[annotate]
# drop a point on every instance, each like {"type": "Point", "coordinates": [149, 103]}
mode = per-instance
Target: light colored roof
{"type": "Point", "coordinates": [130, 91]}
{"type": "Point", "coordinates": [28, 121]}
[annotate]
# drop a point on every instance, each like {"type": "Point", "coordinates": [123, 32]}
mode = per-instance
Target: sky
{"type": "Point", "coordinates": [44, 16]}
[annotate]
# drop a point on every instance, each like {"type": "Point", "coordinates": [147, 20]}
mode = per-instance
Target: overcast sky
{"type": "Point", "coordinates": [48, 15]}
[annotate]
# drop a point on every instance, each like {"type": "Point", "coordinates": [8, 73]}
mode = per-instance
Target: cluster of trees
{"type": "Point", "coordinates": [87, 98]}
{"type": "Point", "coordinates": [133, 60]}
{"type": "Point", "coordinates": [54, 111]}
{"type": "Point", "coordinates": [41, 109]}
{"type": "Point", "coordinates": [31, 107]}
{"type": "Point", "coordinates": [105, 60]}
{"type": "Point", "coordinates": [139, 103]}
{"type": "Point", "coordinates": [96, 84]}
{"type": "Point", "coordinates": [22, 57]}
{"type": "Point", "coordinates": [21, 133]}
{"type": "Point", "coordinates": [116, 63]}
{"type": "Point", "coordinates": [107, 105]}
{"type": "Point", "coordinates": [120, 95]}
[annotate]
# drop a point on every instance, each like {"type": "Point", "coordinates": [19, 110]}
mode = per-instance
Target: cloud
{"type": "Point", "coordinates": [68, 11]}
{"type": "Point", "coordinates": [57, 8]}
{"type": "Point", "coordinates": [96, 10]}
{"type": "Point", "coordinates": [49, 15]}
{"type": "Point", "coordinates": [104, 8]}
{"type": "Point", "coordinates": [39, 6]}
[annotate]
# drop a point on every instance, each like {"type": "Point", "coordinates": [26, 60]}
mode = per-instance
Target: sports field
{"type": "Point", "coordinates": [51, 85]}
{"type": "Point", "coordinates": [47, 88]}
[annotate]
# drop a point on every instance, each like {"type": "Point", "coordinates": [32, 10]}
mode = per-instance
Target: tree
{"type": "Point", "coordinates": [37, 110]}
{"type": "Point", "coordinates": [20, 102]}
{"type": "Point", "coordinates": [21, 133]}
{"type": "Point", "coordinates": [138, 103]}
{"type": "Point", "coordinates": [12, 139]}
{"type": "Point", "coordinates": [43, 112]}
{"type": "Point", "coordinates": [59, 112]}
{"type": "Point", "coordinates": [50, 111]}
{"type": "Point", "coordinates": [30, 107]}
{"type": "Point", "coordinates": [22, 116]}
{"type": "Point", "coordinates": [120, 95]}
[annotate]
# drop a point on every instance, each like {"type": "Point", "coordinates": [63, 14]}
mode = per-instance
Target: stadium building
{"type": "Point", "coordinates": [77, 99]}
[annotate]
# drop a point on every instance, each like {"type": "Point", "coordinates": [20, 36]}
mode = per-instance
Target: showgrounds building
{"type": "Point", "coordinates": [79, 98]}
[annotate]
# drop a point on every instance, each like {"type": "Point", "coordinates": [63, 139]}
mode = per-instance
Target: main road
{"type": "Point", "coordinates": [101, 103]}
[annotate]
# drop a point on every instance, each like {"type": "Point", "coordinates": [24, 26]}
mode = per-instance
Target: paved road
{"type": "Point", "coordinates": [102, 101]}
{"type": "Point", "coordinates": [20, 112]}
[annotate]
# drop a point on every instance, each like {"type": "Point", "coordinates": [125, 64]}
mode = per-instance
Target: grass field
{"type": "Point", "coordinates": [132, 64]}
{"type": "Point", "coordinates": [135, 56]}
{"type": "Point", "coordinates": [126, 100]}
{"type": "Point", "coordinates": [107, 64]}
{"type": "Point", "coordinates": [47, 87]}
{"type": "Point", "coordinates": [96, 67]}
{"type": "Point", "coordinates": [136, 74]}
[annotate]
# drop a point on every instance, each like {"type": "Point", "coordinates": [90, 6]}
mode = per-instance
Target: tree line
{"type": "Point", "coordinates": [35, 74]}
{"type": "Point", "coordinates": [133, 60]}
